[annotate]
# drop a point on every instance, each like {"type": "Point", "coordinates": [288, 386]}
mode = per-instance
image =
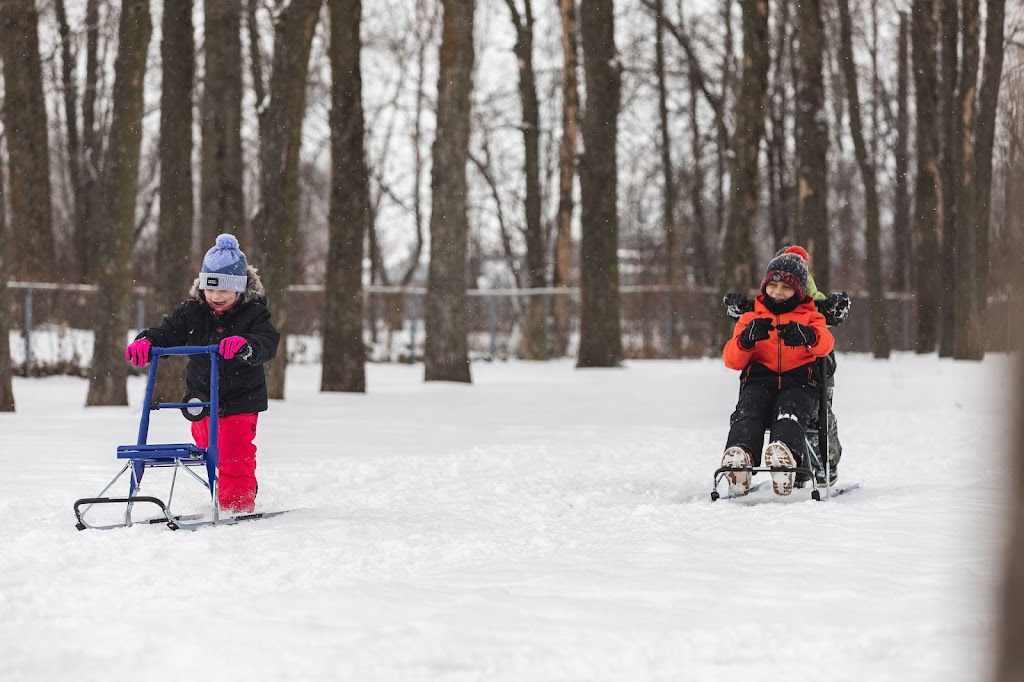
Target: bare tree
{"type": "Point", "coordinates": [600, 335]}
{"type": "Point", "coordinates": [6, 390]}
{"type": "Point", "coordinates": [985, 126]}
{"type": "Point", "coordinates": [117, 221]}
{"type": "Point", "coordinates": [174, 266]}
{"type": "Point", "coordinates": [668, 175]}
{"type": "Point", "coordinates": [567, 156]}
{"type": "Point", "coordinates": [951, 146]}
{"type": "Point", "coordinates": [902, 247]}
{"type": "Point", "coordinates": [698, 235]}
{"type": "Point", "coordinates": [873, 262]}
{"type": "Point", "coordinates": [777, 134]}
{"type": "Point", "coordinates": [928, 189]}
{"type": "Point", "coordinates": [91, 151]}
{"type": "Point", "coordinates": [969, 334]}
{"type": "Point", "coordinates": [446, 356]}
{"type": "Point", "coordinates": [24, 116]}
{"type": "Point", "coordinates": [275, 225]}
{"type": "Point", "coordinates": [222, 204]}
{"type": "Point", "coordinates": [74, 160]}
{"type": "Point", "coordinates": [344, 353]}
{"type": "Point", "coordinates": [737, 254]}
{"type": "Point", "coordinates": [535, 333]}
{"type": "Point", "coordinates": [812, 226]}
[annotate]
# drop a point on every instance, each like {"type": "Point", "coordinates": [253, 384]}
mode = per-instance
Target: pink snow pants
{"type": "Point", "coordinates": [237, 474]}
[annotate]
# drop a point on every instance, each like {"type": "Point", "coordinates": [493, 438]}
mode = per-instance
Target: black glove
{"type": "Point", "coordinates": [736, 303]}
{"type": "Point", "coordinates": [756, 331]}
{"type": "Point", "coordinates": [835, 308]}
{"type": "Point", "coordinates": [796, 334]}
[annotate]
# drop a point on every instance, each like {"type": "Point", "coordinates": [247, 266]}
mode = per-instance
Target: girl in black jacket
{"type": "Point", "coordinates": [227, 306]}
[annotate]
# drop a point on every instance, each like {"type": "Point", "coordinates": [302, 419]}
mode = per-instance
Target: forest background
{"type": "Point", "coordinates": [602, 171]}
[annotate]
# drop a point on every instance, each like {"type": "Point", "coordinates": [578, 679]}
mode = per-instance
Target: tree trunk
{"type": "Point", "coordinates": [426, 24]}
{"type": "Point", "coordinates": [951, 146]}
{"type": "Point", "coordinates": [737, 271]}
{"type": "Point", "coordinates": [567, 154]}
{"type": "Point", "coordinates": [928, 190]}
{"type": "Point", "coordinates": [969, 335]}
{"type": "Point", "coordinates": [873, 263]}
{"type": "Point", "coordinates": [24, 114]}
{"type": "Point", "coordinates": [85, 240]}
{"type": "Point", "coordinates": [985, 126]}
{"type": "Point", "coordinates": [812, 228]}
{"type": "Point", "coordinates": [600, 336]}
{"type": "Point", "coordinates": [700, 261]}
{"type": "Point", "coordinates": [776, 141]}
{"type": "Point", "coordinates": [259, 86]}
{"type": "Point", "coordinates": [222, 204]}
{"type": "Point", "coordinates": [902, 248]}
{"type": "Point", "coordinates": [281, 122]}
{"type": "Point", "coordinates": [74, 148]}
{"type": "Point", "coordinates": [446, 356]}
{"type": "Point", "coordinates": [668, 209]}
{"type": "Point", "coordinates": [175, 268]}
{"type": "Point", "coordinates": [344, 356]}
{"type": "Point", "coordinates": [116, 223]}
{"type": "Point", "coordinates": [6, 390]}
{"type": "Point", "coordinates": [534, 344]}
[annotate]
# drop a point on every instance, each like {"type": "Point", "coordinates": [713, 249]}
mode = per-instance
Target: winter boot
{"type": "Point", "coordinates": [777, 454]}
{"type": "Point", "coordinates": [833, 476]}
{"type": "Point", "coordinates": [739, 481]}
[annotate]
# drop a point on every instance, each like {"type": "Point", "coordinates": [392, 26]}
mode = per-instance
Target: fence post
{"type": "Point", "coordinates": [492, 321]}
{"type": "Point", "coordinates": [412, 328]}
{"type": "Point", "coordinates": [28, 331]}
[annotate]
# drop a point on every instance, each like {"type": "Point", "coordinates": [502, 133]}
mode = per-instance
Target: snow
{"type": "Point", "coordinates": [545, 523]}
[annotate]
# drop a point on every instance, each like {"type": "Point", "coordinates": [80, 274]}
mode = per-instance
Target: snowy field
{"type": "Point", "coordinates": [545, 523]}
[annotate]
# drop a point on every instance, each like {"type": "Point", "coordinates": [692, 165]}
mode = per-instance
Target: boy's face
{"type": "Point", "coordinates": [779, 291]}
{"type": "Point", "coordinates": [221, 300]}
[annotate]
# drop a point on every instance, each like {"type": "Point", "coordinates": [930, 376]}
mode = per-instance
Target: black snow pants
{"type": "Point", "coordinates": [784, 412]}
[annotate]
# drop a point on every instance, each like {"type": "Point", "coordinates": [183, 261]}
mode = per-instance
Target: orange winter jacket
{"type": "Point", "coordinates": [771, 353]}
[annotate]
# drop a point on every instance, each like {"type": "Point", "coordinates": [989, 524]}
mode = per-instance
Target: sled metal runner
{"type": "Point", "coordinates": [815, 459]}
{"type": "Point", "coordinates": [182, 457]}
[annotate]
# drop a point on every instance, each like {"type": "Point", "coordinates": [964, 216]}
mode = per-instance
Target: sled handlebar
{"type": "Point", "coordinates": [185, 350]}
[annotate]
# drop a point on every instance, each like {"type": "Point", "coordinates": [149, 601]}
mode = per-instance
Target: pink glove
{"type": "Point", "coordinates": [137, 352]}
{"type": "Point", "coordinates": [230, 346]}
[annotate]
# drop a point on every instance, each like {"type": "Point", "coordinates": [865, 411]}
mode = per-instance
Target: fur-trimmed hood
{"type": "Point", "coordinates": [254, 289]}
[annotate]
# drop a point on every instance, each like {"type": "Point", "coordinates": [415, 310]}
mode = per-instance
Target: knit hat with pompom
{"type": "Point", "coordinates": [224, 266]}
{"type": "Point", "coordinates": [789, 267]}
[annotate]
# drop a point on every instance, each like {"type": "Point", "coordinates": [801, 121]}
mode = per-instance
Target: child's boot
{"type": "Point", "coordinates": [739, 481]}
{"type": "Point", "coordinates": [778, 454]}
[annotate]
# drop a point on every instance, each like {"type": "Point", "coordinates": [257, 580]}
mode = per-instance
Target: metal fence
{"type": "Point", "coordinates": [656, 321]}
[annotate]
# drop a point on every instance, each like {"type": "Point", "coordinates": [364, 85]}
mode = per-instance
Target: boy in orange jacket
{"type": "Point", "coordinates": [775, 346]}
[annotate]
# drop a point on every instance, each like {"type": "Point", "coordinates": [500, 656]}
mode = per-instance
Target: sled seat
{"type": "Point", "coordinates": [165, 454]}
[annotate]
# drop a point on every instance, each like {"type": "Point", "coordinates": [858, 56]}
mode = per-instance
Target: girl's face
{"type": "Point", "coordinates": [221, 300]}
{"type": "Point", "coordinates": [779, 291]}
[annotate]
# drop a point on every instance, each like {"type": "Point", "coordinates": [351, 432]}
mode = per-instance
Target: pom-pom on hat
{"type": "Point", "coordinates": [789, 267]}
{"type": "Point", "coordinates": [224, 266]}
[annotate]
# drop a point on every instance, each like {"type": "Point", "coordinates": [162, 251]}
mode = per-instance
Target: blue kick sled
{"type": "Point", "coordinates": [182, 457]}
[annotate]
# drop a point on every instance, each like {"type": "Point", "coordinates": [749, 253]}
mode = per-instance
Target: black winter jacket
{"type": "Point", "coordinates": [243, 383]}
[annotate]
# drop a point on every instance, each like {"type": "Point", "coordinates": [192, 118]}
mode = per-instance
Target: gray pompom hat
{"type": "Point", "coordinates": [224, 266]}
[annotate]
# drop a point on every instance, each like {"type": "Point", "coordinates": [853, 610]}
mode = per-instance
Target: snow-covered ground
{"type": "Point", "coordinates": [545, 523]}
